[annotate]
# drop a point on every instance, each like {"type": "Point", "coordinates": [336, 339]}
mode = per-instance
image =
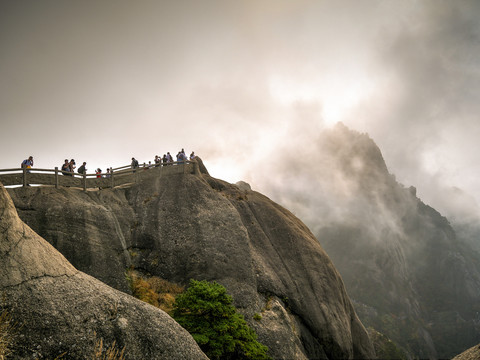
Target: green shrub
{"type": "Point", "coordinates": [257, 317]}
{"type": "Point", "coordinates": [206, 311]}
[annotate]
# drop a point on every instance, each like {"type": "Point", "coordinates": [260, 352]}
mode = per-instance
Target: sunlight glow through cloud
{"type": "Point", "coordinates": [337, 96]}
{"type": "Point", "coordinates": [236, 81]}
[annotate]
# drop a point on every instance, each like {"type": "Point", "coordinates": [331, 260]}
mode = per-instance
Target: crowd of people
{"type": "Point", "coordinates": [166, 159]}
{"type": "Point", "coordinates": [68, 167]}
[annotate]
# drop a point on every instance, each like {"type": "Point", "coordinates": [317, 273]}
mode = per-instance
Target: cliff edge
{"type": "Point", "coordinates": [185, 226]}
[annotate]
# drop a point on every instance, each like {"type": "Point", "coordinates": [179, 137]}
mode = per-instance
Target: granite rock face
{"type": "Point", "coordinates": [470, 354]}
{"type": "Point", "coordinates": [185, 226]}
{"type": "Point", "coordinates": [60, 310]}
{"type": "Point", "coordinates": [410, 275]}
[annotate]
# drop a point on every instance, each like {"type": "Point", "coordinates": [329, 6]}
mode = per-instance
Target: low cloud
{"type": "Point", "coordinates": [244, 84]}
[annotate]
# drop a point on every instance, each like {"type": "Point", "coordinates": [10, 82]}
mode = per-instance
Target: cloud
{"type": "Point", "coordinates": [242, 81]}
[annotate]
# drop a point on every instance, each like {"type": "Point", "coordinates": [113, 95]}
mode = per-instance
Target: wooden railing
{"type": "Point", "coordinates": [118, 176]}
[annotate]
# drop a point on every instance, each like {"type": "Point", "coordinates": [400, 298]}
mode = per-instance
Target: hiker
{"type": "Point", "coordinates": [164, 159]}
{"type": "Point", "coordinates": [27, 163]}
{"type": "Point", "coordinates": [99, 176]}
{"type": "Point", "coordinates": [81, 169]}
{"type": "Point", "coordinates": [158, 161]}
{"type": "Point", "coordinates": [192, 155]}
{"type": "Point", "coordinates": [134, 164]}
{"type": "Point", "coordinates": [66, 168]}
{"type": "Point", "coordinates": [169, 158]}
{"type": "Point", "coordinates": [181, 157]}
{"type": "Point", "coordinates": [72, 166]}
{"type": "Point", "coordinates": [109, 173]}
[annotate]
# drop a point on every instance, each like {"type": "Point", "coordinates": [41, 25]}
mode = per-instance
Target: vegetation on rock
{"type": "Point", "coordinates": [7, 332]}
{"type": "Point", "coordinates": [107, 353]}
{"type": "Point", "coordinates": [154, 290]}
{"type": "Point", "coordinates": [206, 311]}
{"type": "Point", "coordinates": [384, 347]}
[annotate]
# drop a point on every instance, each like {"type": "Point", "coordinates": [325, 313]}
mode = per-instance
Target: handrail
{"type": "Point", "coordinates": [118, 176]}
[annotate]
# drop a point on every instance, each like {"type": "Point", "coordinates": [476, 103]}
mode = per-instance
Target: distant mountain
{"type": "Point", "coordinates": [410, 276]}
{"type": "Point", "coordinates": [185, 226]}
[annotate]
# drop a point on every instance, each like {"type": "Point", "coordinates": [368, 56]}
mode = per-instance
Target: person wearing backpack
{"type": "Point", "coordinates": [27, 163]}
{"type": "Point", "coordinates": [81, 169]}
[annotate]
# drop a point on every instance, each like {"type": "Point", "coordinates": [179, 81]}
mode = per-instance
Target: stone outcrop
{"type": "Point", "coordinates": [470, 354]}
{"type": "Point", "coordinates": [60, 310]}
{"type": "Point", "coordinates": [185, 226]}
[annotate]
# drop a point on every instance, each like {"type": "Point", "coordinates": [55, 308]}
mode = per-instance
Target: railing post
{"type": "Point", "coordinates": [85, 180]}
{"type": "Point", "coordinates": [196, 169]}
{"type": "Point", "coordinates": [111, 175]}
{"type": "Point", "coordinates": [56, 177]}
{"type": "Point", "coordinates": [24, 168]}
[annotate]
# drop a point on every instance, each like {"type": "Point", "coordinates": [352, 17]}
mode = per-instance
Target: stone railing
{"type": "Point", "coordinates": [118, 176]}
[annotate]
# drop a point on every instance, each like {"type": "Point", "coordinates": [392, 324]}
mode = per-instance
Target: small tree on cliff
{"type": "Point", "coordinates": [206, 311]}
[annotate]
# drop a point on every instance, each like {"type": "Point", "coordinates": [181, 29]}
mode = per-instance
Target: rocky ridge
{"type": "Point", "coordinates": [187, 226]}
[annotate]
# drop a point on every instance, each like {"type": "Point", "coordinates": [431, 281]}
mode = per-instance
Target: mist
{"type": "Point", "coordinates": [242, 84]}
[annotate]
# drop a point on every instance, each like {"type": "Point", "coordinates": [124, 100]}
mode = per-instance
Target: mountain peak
{"type": "Point", "coordinates": [356, 152]}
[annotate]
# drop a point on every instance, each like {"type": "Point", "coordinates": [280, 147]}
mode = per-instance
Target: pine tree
{"type": "Point", "coordinates": [206, 311]}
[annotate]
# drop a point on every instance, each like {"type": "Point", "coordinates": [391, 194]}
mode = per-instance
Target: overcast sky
{"type": "Point", "coordinates": [102, 81]}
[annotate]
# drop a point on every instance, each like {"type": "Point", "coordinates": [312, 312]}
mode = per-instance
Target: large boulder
{"type": "Point", "coordinates": [183, 226]}
{"type": "Point", "coordinates": [60, 310]}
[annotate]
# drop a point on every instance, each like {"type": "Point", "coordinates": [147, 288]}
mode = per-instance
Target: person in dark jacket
{"type": "Point", "coordinates": [81, 169]}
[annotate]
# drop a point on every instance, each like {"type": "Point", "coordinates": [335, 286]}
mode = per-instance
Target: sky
{"type": "Point", "coordinates": [241, 82]}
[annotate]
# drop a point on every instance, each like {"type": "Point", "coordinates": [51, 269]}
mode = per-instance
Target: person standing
{"type": "Point", "coordinates": [181, 157]}
{"type": "Point", "coordinates": [169, 158]}
{"type": "Point", "coordinates": [27, 163]}
{"type": "Point", "coordinates": [99, 176]}
{"type": "Point", "coordinates": [66, 168]}
{"type": "Point", "coordinates": [134, 164]}
{"type": "Point", "coordinates": [72, 166]}
{"type": "Point", "coordinates": [81, 169]}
